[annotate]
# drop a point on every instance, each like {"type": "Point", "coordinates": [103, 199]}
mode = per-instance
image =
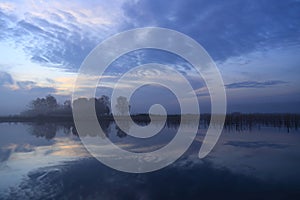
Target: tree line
{"type": "Point", "coordinates": [49, 106]}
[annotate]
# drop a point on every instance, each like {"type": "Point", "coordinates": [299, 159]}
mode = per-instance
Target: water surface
{"type": "Point", "coordinates": [46, 161]}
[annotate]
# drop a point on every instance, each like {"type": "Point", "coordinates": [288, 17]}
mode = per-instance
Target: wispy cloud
{"type": "Point", "coordinates": [255, 84]}
{"type": "Point", "coordinates": [224, 28]}
{"type": "Point", "coordinates": [56, 35]}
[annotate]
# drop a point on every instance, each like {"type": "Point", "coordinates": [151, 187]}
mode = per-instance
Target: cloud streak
{"type": "Point", "coordinates": [255, 84]}
{"type": "Point", "coordinates": [56, 35]}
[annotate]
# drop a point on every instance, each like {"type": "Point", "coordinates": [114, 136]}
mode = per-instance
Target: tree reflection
{"type": "Point", "coordinates": [47, 130]}
{"type": "Point", "coordinates": [234, 122]}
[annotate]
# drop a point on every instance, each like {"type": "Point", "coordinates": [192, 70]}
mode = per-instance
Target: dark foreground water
{"type": "Point", "coordinates": [48, 161]}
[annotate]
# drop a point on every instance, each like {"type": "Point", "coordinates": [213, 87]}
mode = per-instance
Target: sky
{"type": "Point", "coordinates": [255, 45]}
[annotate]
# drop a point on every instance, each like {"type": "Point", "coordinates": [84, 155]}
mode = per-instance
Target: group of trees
{"type": "Point", "coordinates": [102, 104]}
{"type": "Point", "coordinates": [49, 106]}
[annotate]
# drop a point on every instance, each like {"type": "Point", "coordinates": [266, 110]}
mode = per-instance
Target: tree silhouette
{"type": "Point", "coordinates": [42, 106]}
{"type": "Point", "coordinates": [102, 105]}
{"type": "Point", "coordinates": [51, 103]}
{"type": "Point", "coordinates": [122, 105]}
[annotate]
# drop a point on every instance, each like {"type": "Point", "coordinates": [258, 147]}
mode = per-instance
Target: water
{"type": "Point", "coordinates": [48, 161]}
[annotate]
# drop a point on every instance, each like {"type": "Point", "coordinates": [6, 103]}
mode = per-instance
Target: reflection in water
{"type": "Point", "coordinates": [88, 179]}
{"type": "Point", "coordinates": [120, 132]}
{"type": "Point", "coordinates": [48, 130]}
{"type": "Point", "coordinates": [44, 130]}
{"type": "Point", "coordinates": [47, 160]}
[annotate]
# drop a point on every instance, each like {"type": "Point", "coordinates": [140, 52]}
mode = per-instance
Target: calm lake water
{"type": "Point", "coordinates": [48, 161]}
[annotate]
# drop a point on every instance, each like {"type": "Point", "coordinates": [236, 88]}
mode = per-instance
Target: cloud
{"type": "Point", "coordinates": [57, 35]}
{"type": "Point", "coordinates": [224, 28]}
{"type": "Point", "coordinates": [26, 84]}
{"type": "Point", "coordinates": [7, 82]}
{"type": "Point", "coordinates": [5, 78]}
{"type": "Point", "coordinates": [64, 35]}
{"type": "Point", "coordinates": [60, 35]}
{"type": "Point", "coordinates": [7, 6]}
{"type": "Point", "coordinates": [255, 84]}
{"type": "Point", "coordinates": [15, 95]}
{"type": "Point", "coordinates": [34, 89]}
{"type": "Point", "coordinates": [51, 81]}
{"type": "Point", "coordinates": [49, 43]}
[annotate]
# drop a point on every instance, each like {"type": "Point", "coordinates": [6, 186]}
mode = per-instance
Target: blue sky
{"type": "Point", "coordinates": [255, 44]}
